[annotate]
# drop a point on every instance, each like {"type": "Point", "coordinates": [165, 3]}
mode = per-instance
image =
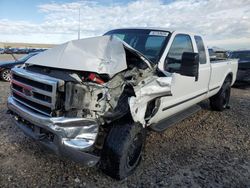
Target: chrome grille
{"type": "Point", "coordinates": [36, 91]}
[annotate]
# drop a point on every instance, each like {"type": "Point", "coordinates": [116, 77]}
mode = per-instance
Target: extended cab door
{"type": "Point", "coordinates": [186, 91]}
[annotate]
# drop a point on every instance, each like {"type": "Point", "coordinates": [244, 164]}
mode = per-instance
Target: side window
{"type": "Point", "coordinates": [201, 49]}
{"type": "Point", "coordinates": [181, 43]}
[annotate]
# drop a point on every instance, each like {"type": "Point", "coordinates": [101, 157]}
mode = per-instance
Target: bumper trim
{"type": "Point", "coordinates": [73, 137]}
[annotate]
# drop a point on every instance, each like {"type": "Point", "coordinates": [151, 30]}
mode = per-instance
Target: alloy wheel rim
{"type": "Point", "coordinates": [6, 75]}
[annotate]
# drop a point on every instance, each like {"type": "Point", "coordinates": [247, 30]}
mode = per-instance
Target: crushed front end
{"type": "Point", "coordinates": [36, 107]}
{"type": "Point", "coordinates": [70, 108]}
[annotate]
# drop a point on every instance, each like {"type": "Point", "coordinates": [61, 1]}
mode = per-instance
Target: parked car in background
{"type": "Point", "coordinates": [5, 67]}
{"type": "Point", "coordinates": [20, 50]}
{"type": "Point", "coordinates": [212, 54]}
{"type": "Point", "coordinates": [8, 50]}
{"type": "Point", "coordinates": [23, 51]}
{"type": "Point", "coordinates": [1, 50]}
{"type": "Point", "coordinates": [217, 55]}
{"type": "Point", "coordinates": [243, 74]}
{"type": "Point", "coordinates": [222, 54]}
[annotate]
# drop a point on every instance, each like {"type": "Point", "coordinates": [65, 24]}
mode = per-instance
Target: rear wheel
{"type": "Point", "coordinates": [122, 150]}
{"type": "Point", "coordinates": [5, 75]}
{"type": "Point", "coordinates": [220, 101]}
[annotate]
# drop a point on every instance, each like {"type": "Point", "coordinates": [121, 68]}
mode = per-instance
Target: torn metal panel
{"type": "Point", "coordinates": [75, 96]}
{"type": "Point", "coordinates": [148, 89]}
{"type": "Point", "coordinates": [91, 100]}
{"type": "Point", "coordinates": [104, 97]}
{"type": "Point", "coordinates": [103, 55]}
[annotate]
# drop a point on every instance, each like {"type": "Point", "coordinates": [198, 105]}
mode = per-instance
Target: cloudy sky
{"type": "Point", "coordinates": [224, 23]}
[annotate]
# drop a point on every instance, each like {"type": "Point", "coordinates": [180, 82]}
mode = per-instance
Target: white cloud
{"type": "Point", "coordinates": [222, 22]}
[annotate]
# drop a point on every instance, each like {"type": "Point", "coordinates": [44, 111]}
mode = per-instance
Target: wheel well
{"type": "Point", "coordinates": [2, 70]}
{"type": "Point", "coordinates": [5, 69]}
{"type": "Point", "coordinates": [229, 77]}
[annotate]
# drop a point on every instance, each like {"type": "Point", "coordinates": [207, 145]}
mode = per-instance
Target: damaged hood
{"type": "Point", "coordinates": [103, 55]}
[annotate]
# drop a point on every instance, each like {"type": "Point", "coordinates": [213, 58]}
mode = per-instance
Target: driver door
{"type": "Point", "coordinates": [186, 91]}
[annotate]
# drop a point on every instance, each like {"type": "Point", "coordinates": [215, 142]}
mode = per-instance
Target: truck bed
{"type": "Point", "coordinates": [219, 71]}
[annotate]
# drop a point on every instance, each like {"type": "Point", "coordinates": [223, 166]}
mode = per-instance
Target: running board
{"type": "Point", "coordinates": [176, 118]}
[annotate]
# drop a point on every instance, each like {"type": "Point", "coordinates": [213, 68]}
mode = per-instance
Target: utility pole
{"type": "Point", "coordinates": [79, 23]}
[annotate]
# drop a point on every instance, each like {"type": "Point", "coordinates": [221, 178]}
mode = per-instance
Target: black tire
{"type": "Point", "coordinates": [5, 75]}
{"type": "Point", "coordinates": [220, 101]}
{"type": "Point", "coordinates": [122, 150]}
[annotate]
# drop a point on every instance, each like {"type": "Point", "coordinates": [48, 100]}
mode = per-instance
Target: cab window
{"type": "Point", "coordinates": [181, 43]}
{"type": "Point", "coordinates": [201, 49]}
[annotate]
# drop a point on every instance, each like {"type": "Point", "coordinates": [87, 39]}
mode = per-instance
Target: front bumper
{"type": "Point", "coordinates": [69, 137]}
{"type": "Point", "coordinates": [243, 75]}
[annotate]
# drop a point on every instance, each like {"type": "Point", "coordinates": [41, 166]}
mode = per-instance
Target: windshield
{"type": "Point", "coordinates": [150, 43]}
{"type": "Point", "coordinates": [240, 55]}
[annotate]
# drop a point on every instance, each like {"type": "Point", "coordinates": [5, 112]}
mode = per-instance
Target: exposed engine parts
{"type": "Point", "coordinates": [99, 96]}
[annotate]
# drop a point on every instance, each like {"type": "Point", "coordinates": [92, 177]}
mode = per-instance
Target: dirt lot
{"type": "Point", "coordinates": [8, 57]}
{"type": "Point", "coordinates": [209, 149]}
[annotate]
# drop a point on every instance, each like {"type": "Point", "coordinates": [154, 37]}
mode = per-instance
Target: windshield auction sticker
{"type": "Point", "coordinates": [159, 33]}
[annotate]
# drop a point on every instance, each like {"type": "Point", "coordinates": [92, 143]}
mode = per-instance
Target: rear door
{"type": "Point", "coordinates": [204, 66]}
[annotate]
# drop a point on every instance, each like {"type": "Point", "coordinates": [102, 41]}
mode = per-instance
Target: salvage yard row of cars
{"type": "Point", "coordinates": [93, 99]}
{"type": "Point", "coordinates": [20, 50]}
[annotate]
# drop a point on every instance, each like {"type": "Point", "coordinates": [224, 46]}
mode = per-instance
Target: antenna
{"type": "Point", "coordinates": [79, 23]}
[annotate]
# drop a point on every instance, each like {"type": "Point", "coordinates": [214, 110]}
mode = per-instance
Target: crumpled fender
{"type": "Point", "coordinates": [148, 89]}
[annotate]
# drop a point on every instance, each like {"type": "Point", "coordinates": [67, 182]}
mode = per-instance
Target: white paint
{"type": "Point", "coordinates": [146, 90]}
{"type": "Point", "coordinates": [184, 88]}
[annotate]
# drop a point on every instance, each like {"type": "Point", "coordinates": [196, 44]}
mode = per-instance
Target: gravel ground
{"type": "Point", "coordinates": [209, 149]}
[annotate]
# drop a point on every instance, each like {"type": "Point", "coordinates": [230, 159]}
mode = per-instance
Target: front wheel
{"type": "Point", "coordinates": [6, 75]}
{"type": "Point", "coordinates": [220, 101]}
{"type": "Point", "coordinates": [122, 150]}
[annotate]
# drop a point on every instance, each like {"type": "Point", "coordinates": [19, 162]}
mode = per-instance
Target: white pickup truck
{"type": "Point", "coordinates": [93, 99]}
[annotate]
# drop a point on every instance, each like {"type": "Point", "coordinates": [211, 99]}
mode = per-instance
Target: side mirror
{"type": "Point", "coordinates": [190, 64]}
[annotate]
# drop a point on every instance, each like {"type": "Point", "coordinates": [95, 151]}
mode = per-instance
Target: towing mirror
{"type": "Point", "coordinates": [190, 64]}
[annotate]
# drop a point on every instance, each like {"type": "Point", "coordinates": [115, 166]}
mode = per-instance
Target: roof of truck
{"type": "Point", "coordinates": [149, 28]}
{"type": "Point", "coordinates": [158, 28]}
